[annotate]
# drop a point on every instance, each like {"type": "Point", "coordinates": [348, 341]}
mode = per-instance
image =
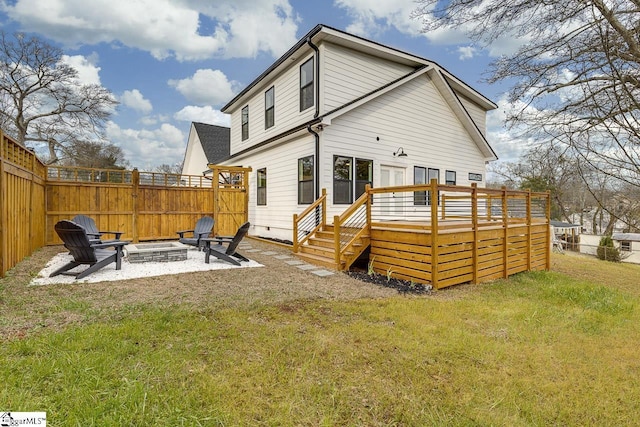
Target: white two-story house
{"type": "Point", "coordinates": [338, 112]}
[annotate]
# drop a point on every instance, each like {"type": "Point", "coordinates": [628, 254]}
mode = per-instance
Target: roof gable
{"type": "Point", "coordinates": [215, 141]}
{"type": "Point", "coordinates": [329, 34]}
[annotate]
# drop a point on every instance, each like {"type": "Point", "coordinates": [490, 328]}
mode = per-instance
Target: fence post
{"type": "Point", "coordinates": [434, 233]}
{"type": "Point", "coordinates": [548, 213]}
{"type": "Point", "coordinates": [505, 226]}
{"type": "Point", "coordinates": [135, 188]}
{"type": "Point", "coordinates": [215, 185]}
{"type": "Point", "coordinates": [3, 205]}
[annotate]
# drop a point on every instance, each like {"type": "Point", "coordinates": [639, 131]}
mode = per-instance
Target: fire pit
{"type": "Point", "coordinates": [156, 252]}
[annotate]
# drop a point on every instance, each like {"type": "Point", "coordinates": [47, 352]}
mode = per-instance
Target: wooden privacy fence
{"type": "Point", "coordinates": [146, 205]}
{"type": "Point", "coordinates": [22, 211]}
{"type": "Point", "coordinates": [143, 205]}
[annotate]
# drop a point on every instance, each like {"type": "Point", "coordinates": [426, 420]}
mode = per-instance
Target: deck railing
{"type": "Point", "coordinates": [312, 219]}
{"type": "Point", "coordinates": [350, 227]}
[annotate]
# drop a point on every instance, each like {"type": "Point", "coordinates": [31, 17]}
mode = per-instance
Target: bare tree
{"type": "Point", "coordinates": [93, 154]}
{"type": "Point", "coordinates": [42, 100]}
{"type": "Point", "coordinates": [575, 77]}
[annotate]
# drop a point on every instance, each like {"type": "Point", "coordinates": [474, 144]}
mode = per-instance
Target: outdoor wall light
{"type": "Point", "coordinates": [400, 153]}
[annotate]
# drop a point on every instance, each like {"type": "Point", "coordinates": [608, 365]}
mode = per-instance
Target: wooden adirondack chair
{"type": "Point", "coordinates": [92, 230]}
{"type": "Point", "coordinates": [224, 247]}
{"type": "Point", "coordinates": [202, 229]}
{"type": "Point", "coordinates": [84, 252]}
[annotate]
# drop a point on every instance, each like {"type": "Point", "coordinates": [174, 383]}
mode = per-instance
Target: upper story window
{"type": "Point", "coordinates": [245, 123]}
{"type": "Point", "coordinates": [306, 85]}
{"type": "Point", "coordinates": [269, 108]}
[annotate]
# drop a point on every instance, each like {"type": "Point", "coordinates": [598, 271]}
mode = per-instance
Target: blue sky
{"type": "Point", "coordinates": [171, 62]}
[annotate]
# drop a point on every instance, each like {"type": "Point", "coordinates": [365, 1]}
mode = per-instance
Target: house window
{"type": "Point", "coordinates": [344, 185]}
{"type": "Point", "coordinates": [342, 180]}
{"type": "Point", "coordinates": [305, 180]}
{"type": "Point", "coordinates": [245, 123]}
{"type": "Point", "coordinates": [269, 110]}
{"type": "Point", "coordinates": [625, 246]}
{"type": "Point", "coordinates": [306, 85]}
{"type": "Point", "coordinates": [419, 178]}
{"type": "Point", "coordinates": [433, 174]}
{"type": "Point", "coordinates": [450, 177]}
{"type": "Point", "coordinates": [261, 196]}
{"type": "Point", "coordinates": [364, 175]}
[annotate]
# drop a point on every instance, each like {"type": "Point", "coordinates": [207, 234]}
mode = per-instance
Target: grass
{"type": "Point", "coordinates": [544, 348]}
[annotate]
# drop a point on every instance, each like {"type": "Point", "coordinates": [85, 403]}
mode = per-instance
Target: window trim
{"type": "Point", "coordinates": [244, 120]}
{"type": "Point", "coordinates": [301, 181]}
{"type": "Point", "coordinates": [448, 181]}
{"type": "Point", "coordinates": [355, 177]}
{"type": "Point", "coordinates": [261, 190]}
{"type": "Point", "coordinates": [350, 180]}
{"type": "Point", "coordinates": [419, 197]}
{"type": "Point", "coordinates": [271, 108]}
{"type": "Point", "coordinates": [310, 83]}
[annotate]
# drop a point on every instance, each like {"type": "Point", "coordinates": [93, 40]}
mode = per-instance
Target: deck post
{"type": "Point", "coordinates": [529, 230]}
{"type": "Point", "coordinates": [505, 226]}
{"type": "Point", "coordinates": [474, 226]}
{"type": "Point", "coordinates": [434, 233]}
{"type": "Point", "coordinates": [367, 189]}
{"type": "Point", "coordinates": [336, 235]}
{"type": "Point", "coordinates": [295, 233]}
{"type": "Point", "coordinates": [324, 208]}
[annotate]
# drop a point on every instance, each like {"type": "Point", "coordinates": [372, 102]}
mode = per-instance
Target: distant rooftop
{"type": "Point", "coordinates": [215, 141]}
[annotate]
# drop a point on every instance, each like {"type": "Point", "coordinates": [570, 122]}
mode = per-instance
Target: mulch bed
{"type": "Point", "coordinates": [402, 286]}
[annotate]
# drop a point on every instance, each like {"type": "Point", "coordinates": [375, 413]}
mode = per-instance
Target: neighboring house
{"type": "Point", "coordinates": [338, 112]}
{"type": "Point", "coordinates": [629, 245]}
{"type": "Point", "coordinates": [206, 144]}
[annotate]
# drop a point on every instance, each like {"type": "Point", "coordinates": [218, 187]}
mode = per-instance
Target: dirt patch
{"type": "Point", "coordinates": [26, 308]}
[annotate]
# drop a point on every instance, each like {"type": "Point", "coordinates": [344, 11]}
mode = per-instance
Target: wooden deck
{"type": "Point", "coordinates": [473, 235]}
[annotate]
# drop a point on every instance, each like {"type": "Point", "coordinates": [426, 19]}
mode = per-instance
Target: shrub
{"type": "Point", "coordinates": [607, 251]}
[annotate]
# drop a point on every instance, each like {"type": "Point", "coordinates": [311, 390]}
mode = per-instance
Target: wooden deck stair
{"type": "Point", "coordinates": [320, 250]}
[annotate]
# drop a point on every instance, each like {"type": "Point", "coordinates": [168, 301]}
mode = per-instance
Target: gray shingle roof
{"type": "Point", "coordinates": [215, 141]}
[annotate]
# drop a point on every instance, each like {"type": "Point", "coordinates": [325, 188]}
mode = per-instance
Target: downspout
{"type": "Point", "coordinates": [315, 116]}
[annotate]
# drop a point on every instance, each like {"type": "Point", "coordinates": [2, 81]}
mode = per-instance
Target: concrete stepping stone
{"type": "Point", "coordinates": [322, 273]}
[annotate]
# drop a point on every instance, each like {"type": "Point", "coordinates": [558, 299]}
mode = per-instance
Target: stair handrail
{"type": "Point", "coordinates": [340, 220]}
{"type": "Point", "coordinates": [321, 203]}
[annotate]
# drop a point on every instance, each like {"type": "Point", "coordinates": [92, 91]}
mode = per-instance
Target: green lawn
{"type": "Point", "coordinates": [545, 348]}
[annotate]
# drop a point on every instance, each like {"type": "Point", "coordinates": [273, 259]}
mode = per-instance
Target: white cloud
{"type": "Point", "coordinates": [135, 100]}
{"type": "Point", "coordinates": [204, 115]}
{"type": "Point", "coordinates": [206, 87]}
{"type": "Point", "coordinates": [188, 30]}
{"type": "Point", "coordinates": [145, 148]}
{"type": "Point", "coordinates": [466, 52]}
{"type": "Point", "coordinates": [370, 17]}
{"type": "Point", "coordinates": [88, 72]}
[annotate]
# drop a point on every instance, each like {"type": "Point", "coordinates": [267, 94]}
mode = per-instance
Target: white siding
{"type": "Point", "coordinates": [348, 74]}
{"type": "Point", "coordinates": [287, 109]}
{"type": "Point", "coordinates": [477, 113]}
{"type": "Point", "coordinates": [195, 160]}
{"type": "Point", "coordinates": [275, 220]}
{"type": "Point", "coordinates": [415, 117]}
